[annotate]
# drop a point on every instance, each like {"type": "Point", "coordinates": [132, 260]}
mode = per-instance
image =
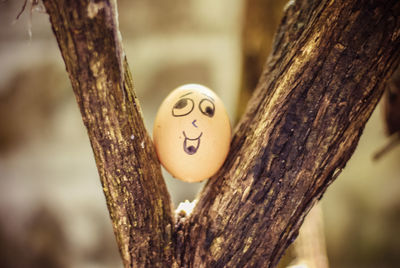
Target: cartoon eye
{"type": "Point", "coordinates": [207, 107]}
{"type": "Point", "coordinates": [183, 107]}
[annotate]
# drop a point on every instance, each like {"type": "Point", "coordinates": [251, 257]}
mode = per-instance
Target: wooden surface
{"type": "Point", "coordinates": [137, 198]}
{"type": "Point", "coordinates": [325, 75]}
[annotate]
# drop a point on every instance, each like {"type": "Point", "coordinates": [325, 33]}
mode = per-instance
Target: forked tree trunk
{"type": "Point", "coordinates": [325, 75]}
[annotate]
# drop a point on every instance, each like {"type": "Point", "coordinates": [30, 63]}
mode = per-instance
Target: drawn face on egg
{"type": "Point", "coordinates": [183, 107]}
{"type": "Point", "coordinates": [192, 133]}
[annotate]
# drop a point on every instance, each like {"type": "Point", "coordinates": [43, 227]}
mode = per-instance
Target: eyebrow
{"type": "Point", "coordinates": [185, 94]}
{"type": "Point", "coordinates": [208, 97]}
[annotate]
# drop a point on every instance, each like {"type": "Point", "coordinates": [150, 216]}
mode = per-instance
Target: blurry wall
{"type": "Point", "coordinates": [52, 209]}
{"type": "Point", "coordinates": [362, 207]}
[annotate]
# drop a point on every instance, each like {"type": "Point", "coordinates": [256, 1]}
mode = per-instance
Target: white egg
{"type": "Point", "coordinates": [192, 133]}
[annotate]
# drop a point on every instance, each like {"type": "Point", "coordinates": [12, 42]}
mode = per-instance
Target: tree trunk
{"type": "Point", "coordinates": [261, 21]}
{"type": "Point", "coordinates": [137, 198]}
{"type": "Point", "coordinates": [325, 75]}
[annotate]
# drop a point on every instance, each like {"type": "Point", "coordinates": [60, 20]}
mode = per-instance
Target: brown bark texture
{"type": "Point", "coordinates": [324, 77]}
{"type": "Point", "coordinates": [137, 199]}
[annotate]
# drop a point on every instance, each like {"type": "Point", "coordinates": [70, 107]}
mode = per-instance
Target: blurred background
{"type": "Point", "coordinates": [52, 209]}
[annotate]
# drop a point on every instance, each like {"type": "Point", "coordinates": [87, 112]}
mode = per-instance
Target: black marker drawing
{"type": "Point", "coordinates": [183, 107]}
{"type": "Point", "coordinates": [207, 107]}
{"type": "Point", "coordinates": [190, 146]}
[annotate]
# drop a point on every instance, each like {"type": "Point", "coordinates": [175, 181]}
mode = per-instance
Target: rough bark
{"type": "Point", "coordinates": [322, 81]}
{"type": "Point", "coordinates": [136, 195]}
{"type": "Point", "coordinates": [261, 21]}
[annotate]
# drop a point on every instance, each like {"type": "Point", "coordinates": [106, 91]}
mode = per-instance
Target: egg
{"type": "Point", "coordinates": [192, 133]}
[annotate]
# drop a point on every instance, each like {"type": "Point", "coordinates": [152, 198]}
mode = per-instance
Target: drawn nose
{"type": "Point", "coordinates": [194, 123]}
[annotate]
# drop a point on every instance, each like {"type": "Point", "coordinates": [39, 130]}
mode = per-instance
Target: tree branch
{"type": "Point", "coordinates": [326, 73]}
{"type": "Point", "coordinates": [319, 87]}
{"type": "Point", "coordinates": [137, 198]}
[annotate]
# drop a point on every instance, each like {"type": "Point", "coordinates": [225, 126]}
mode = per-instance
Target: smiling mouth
{"type": "Point", "coordinates": [190, 146]}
